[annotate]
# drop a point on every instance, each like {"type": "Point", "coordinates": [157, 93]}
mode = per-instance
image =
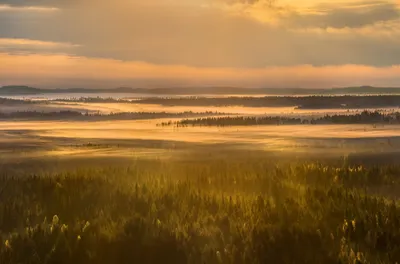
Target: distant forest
{"type": "Point", "coordinates": [366, 117]}
{"type": "Point", "coordinates": [9, 101]}
{"type": "Point", "coordinates": [26, 90]}
{"type": "Point", "coordinates": [306, 102]}
{"type": "Point", "coordinates": [300, 102]}
{"type": "Point", "coordinates": [76, 115]}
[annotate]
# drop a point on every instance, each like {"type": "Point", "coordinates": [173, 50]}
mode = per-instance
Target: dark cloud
{"type": "Point", "coordinates": [352, 15]}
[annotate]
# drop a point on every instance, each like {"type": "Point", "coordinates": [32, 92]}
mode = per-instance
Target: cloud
{"type": "Point", "coordinates": [389, 30]}
{"type": "Point", "coordinates": [14, 45]}
{"type": "Point", "coordinates": [213, 34]}
{"type": "Point", "coordinates": [352, 15]}
{"type": "Point", "coordinates": [345, 14]}
{"type": "Point", "coordinates": [37, 3]}
{"type": "Point", "coordinates": [8, 42]}
{"type": "Point", "coordinates": [9, 8]}
{"type": "Point", "coordinates": [67, 71]}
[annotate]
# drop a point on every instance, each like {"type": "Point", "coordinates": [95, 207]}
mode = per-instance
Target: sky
{"type": "Point", "coordinates": [164, 43]}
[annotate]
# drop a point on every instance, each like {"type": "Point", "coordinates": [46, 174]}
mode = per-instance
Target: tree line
{"type": "Point", "coordinates": [301, 102]}
{"type": "Point", "coordinates": [68, 114]}
{"type": "Point", "coordinates": [365, 117]}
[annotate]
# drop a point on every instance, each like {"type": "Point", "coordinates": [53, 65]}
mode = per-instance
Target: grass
{"type": "Point", "coordinates": [248, 210]}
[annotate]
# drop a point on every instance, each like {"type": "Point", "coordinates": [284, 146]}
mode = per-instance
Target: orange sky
{"type": "Point", "coordinates": [288, 43]}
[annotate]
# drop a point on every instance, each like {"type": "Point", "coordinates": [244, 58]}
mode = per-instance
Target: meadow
{"type": "Point", "coordinates": [128, 191]}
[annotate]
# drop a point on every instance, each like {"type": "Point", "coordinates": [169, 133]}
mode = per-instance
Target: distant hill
{"type": "Point", "coordinates": [19, 90]}
{"type": "Point", "coordinates": [26, 90]}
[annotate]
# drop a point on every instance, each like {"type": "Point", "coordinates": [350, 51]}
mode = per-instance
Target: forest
{"type": "Point", "coordinates": [301, 102]}
{"type": "Point", "coordinates": [233, 210]}
{"type": "Point", "coordinates": [97, 116]}
{"type": "Point", "coordinates": [365, 117]}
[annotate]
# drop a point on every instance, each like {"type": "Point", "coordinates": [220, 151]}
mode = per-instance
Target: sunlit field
{"type": "Point", "coordinates": [84, 190]}
{"type": "Point", "coordinates": [238, 209]}
{"type": "Point", "coordinates": [121, 136]}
